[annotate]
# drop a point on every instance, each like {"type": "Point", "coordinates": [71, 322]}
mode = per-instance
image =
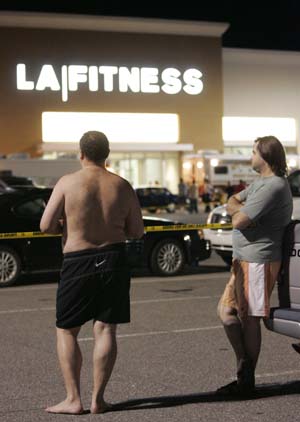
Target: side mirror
{"type": "Point", "coordinates": [295, 190]}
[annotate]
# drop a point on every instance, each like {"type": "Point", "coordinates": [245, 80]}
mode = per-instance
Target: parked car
{"type": "Point", "coordinates": [285, 318]}
{"type": "Point", "coordinates": [221, 239]}
{"type": "Point", "coordinates": [9, 182]}
{"type": "Point", "coordinates": [164, 253]}
{"type": "Point", "coordinates": [154, 198]}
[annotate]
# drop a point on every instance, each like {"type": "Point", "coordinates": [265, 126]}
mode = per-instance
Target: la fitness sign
{"type": "Point", "coordinates": [110, 79]}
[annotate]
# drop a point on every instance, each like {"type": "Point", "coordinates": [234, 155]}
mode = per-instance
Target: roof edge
{"type": "Point", "coordinates": [260, 56]}
{"type": "Point", "coordinates": [111, 24]}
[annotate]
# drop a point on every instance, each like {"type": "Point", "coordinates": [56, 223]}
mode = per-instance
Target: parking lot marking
{"type": "Point", "coordinates": [186, 330]}
{"type": "Point", "coordinates": [157, 333]}
{"type": "Point", "coordinates": [133, 302]}
{"type": "Point", "coordinates": [186, 278]}
{"type": "Point", "coordinates": [24, 289]}
{"type": "Point", "coordinates": [17, 311]}
{"type": "Point", "coordinates": [277, 374]}
{"type": "Point", "coordinates": [172, 299]}
{"type": "Point", "coordinates": [134, 280]}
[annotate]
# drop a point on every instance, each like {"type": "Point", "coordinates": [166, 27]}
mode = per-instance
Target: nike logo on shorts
{"type": "Point", "coordinates": [100, 263]}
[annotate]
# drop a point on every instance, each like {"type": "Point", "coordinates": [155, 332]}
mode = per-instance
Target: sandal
{"type": "Point", "coordinates": [296, 347]}
{"type": "Point", "coordinates": [229, 389]}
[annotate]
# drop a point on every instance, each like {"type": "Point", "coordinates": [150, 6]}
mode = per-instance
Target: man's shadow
{"type": "Point", "coordinates": [262, 391]}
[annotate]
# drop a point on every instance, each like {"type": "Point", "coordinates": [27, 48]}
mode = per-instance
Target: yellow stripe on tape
{"type": "Point", "coordinates": [25, 235]}
{"type": "Point", "coordinates": [187, 227]}
{"type": "Point", "coordinates": [29, 235]}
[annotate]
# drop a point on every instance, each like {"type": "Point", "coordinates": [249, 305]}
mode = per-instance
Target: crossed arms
{"type": "Point", "coordinates": [239, 219]}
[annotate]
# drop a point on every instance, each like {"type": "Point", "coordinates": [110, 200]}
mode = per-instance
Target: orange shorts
{"type": "Point", "coordinates": [249, 288]}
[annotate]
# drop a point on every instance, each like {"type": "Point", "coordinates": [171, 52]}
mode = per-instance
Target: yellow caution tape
{"type": "Point", "coordinates": [187, 227]}
{"type": "Point", "coordinates": [181, 227]}
{"type": "Point", "coordinates": [24, 235]}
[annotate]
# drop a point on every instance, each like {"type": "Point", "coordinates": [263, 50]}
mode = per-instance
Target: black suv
{"type": "Point", "coordinates": [9, 182]}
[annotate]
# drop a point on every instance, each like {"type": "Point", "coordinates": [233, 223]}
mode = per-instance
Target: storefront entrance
{"type": "Point", "coordinates": [147, 168]}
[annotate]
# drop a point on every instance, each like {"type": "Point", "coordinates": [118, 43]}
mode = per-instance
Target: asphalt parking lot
{"type": "Point", "coordinates": [172, 356]}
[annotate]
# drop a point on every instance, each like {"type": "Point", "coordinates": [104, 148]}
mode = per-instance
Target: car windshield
{"type": "Point", "coordinates": [32, 208]}
{"type": "Point", "coordinates": [18, 181]}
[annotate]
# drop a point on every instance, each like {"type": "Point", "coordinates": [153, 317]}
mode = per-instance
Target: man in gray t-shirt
{"type": "Point", "coordinates": [259, 214]}
{"type": "Point", "coordinates": [268, 204]}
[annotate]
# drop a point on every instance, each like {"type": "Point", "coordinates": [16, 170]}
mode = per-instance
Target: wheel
{"type": "Point", "coordinates": [10, 266]}
{"type": "Point", "coordinates": [171, 208]}
{"type": "Point", "coordinates": [167, 258]}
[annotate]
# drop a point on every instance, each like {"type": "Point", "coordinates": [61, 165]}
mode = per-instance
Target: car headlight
{"type": "Point", "coordinates": [225, 220]}
{"type": "Point", "coordinates": [187, 238]}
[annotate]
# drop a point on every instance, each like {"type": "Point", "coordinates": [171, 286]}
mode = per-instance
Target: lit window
{"type": "Point", "coordinates": [244, 130]}
{"type": "Point", "coordinates": [118, 127]}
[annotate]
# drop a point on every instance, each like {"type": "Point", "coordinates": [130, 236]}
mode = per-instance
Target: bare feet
{"type": "Point", "coordinates": [66, 407]}
{"type": "Point", "coordinates": [101, 407]}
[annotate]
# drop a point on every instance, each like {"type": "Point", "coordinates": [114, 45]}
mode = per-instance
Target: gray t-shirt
{"type": "Point", "coordinates": [268, 203]}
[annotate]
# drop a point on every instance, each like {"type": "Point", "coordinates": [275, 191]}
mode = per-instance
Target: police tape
{"type": "Point", "coordinates": [185, 227]}
{"type": "Point", "coordinates": [26, 235]}
{"type": "Point", "coordinates": [175, 227]}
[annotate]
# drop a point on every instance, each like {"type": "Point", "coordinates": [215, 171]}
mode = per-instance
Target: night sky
{"type": "Point", "coordinates": [253, 24]}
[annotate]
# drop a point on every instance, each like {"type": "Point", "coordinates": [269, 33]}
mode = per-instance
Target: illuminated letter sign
{"type": "Point", "coordinates": [22, 83]}
{"type": "Point", "coordinates": [172, 83]}
{"type": "Point", "coordinates": [149, 80]}
{"type": "Point", "coordinates": [77, 74]}
{"type": "Point", "coordinates": [47, 79]}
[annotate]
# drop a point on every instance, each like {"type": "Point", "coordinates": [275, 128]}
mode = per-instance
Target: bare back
{"type": "Point", "coordinates": [100, 208]}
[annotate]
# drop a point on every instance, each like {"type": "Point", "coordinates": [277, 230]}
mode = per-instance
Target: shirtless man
{"type": "Point", "coordinates": [96, 211]}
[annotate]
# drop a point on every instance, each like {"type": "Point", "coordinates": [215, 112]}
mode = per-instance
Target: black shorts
{"type": "Point", "coordinates": [94, 285]}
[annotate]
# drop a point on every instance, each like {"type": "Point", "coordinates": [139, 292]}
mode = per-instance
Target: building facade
{"type": "Point", "coordinates": [261, 92]}
{"type": "Point", "coordinates": [153, 86]}
{"type": "Point", "coordinates": [171, 100]}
